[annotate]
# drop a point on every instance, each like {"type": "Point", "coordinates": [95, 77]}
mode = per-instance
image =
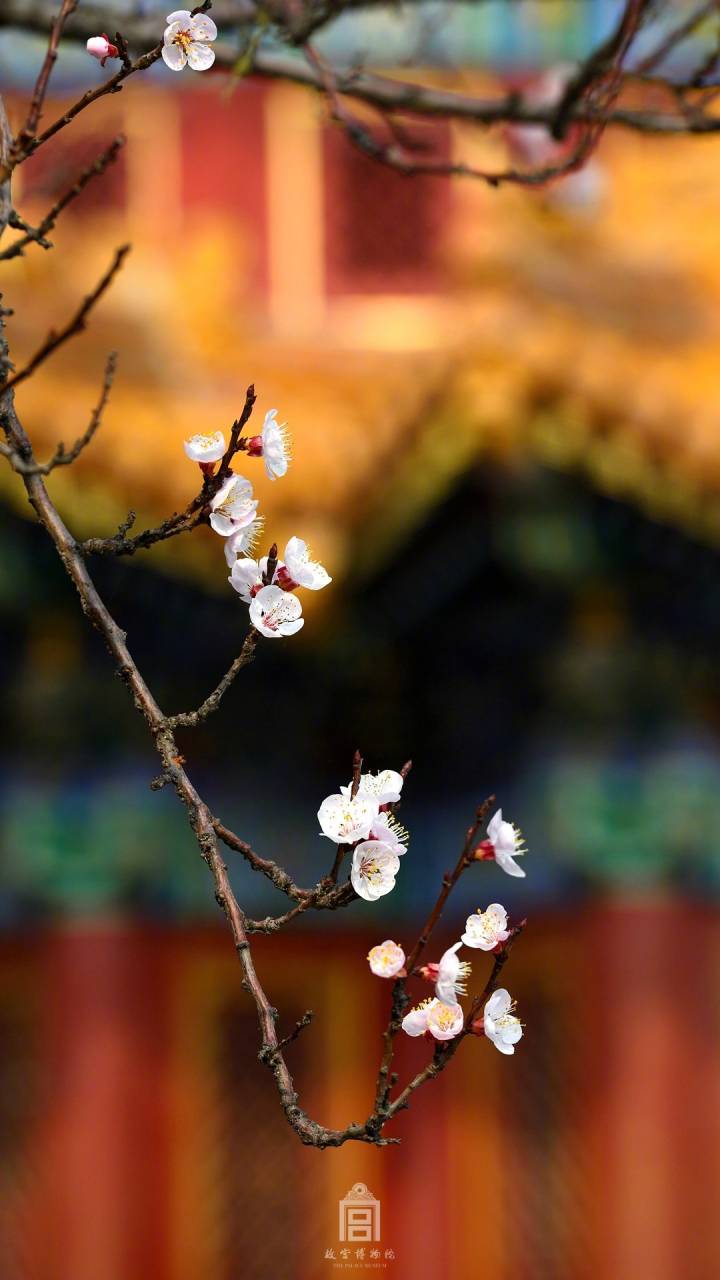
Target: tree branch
{"type": "Point", "coordinates": [56, 338]}
{"type": "Point", "coordinates": [190, 719]}
{"type": "Point", "coordinates": [38, 234]}
{"type": "Point", "coordinates": [63, 457]}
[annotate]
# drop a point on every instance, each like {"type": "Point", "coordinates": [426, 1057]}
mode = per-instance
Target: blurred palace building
{"type": "Point", "coordinates": [506, 417]}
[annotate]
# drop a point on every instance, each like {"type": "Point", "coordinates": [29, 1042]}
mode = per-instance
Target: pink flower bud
{"type": "Point", "coordinates": [255, 447]}
{"type": "Point", "coordinates": [101, 48]}
{"type": "Point", "coordinates": [429, 972]}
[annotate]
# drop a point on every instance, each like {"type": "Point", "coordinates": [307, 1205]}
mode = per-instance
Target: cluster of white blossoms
{"type": "Point", "coordinates": [364, 822]}
{"type": "Point", "coordinates": [274, 608]}
{"type": "Point", "coordinates": [442, 1016]}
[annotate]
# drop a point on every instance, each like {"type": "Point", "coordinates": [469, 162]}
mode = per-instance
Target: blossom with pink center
{"type": "Point", "coordinates": [387, 959]}
{"type": "Point", "coordinates": [300, 570]}
{"type": "Point", "coordinates": [206, 448]}
{"type": "Point", "coordinates": [186, 41]}
{"type": "Point", "coordinates": [248, 576]}
{"type": "Point", "coordinates": [102, 48]}
{"type": "Point", "coordinates": [275, 613]}
{"type": "Point", "coordinates": [451, 975]}
{"type": "Point", "coordinates": [373, 870]}
{"type": "Point", "coordinates": [499, 1022]}
{"type": "Point", "coordinates": [233, 506]}
{"type": "Point", "coordinates": [486, 929]}
{"type": "Point", "coordinates": [443, 1021]}
{"type": "Point", "coordinates": [345, 820]}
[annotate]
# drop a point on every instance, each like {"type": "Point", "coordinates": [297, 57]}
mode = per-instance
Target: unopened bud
{"type": "Point", "coordinates": [102, 48]}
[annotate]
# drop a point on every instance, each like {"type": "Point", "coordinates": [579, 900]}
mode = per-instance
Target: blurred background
{"type": "Point", "coordinates": [504, 408]}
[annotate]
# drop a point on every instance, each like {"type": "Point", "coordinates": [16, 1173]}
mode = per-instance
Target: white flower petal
{"type": "Point", "coordinates": [508, 864]}
{"type": "Point", "coordinates": [203, 28]}
{"type": "Point", "coordinates": [174, 57]}
{"type": "Point", "coordinates": [205, 448]}
{"type": "Point", "coordinates": [504, 1048]}
{"type": "Point", "coordinates": [182, 16]}
{"type": "Point", "coordinates": [415, 1022]}
{"type": "Point", "coordinates": [493, 826]}
{"type": "Point", "coordinates": [222, 524]}
{"type": "Point", "coordinates": [200, 56]}
{"type": "Point", "coordinates": [500, 1002]}
{"type": "Point", "coordinates": [245, 575]}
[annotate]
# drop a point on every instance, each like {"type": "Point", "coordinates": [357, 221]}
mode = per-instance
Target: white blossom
{"type": "Point", "coordinates": [274, 445]}
{"type": "Point", "coordinates": [243, 541]}
{"type": "Point", "coordinates": [500, 1024]}
{"type": "Point", "coordinates": [507, 844]}
{"type": "Point", "coordinates": [390, 832]}
{"type": "Point", "coordinates": [387, 959]}
{"type": "Point", "coordinates": [485, 929]}
{"type": "Point", "coordinates": [233, 506]}
{"type": "Point", "coordinates": [443, 1021]}
{"type": "Point", "coordinates": [373, 870]}
{"type": "Point", "coordinates": [209, 448]}
{"type": "Point", "coordinates": [186, 41]}
{"type": "Point", "coordinates": [102, 48]}
{"type": "Point", "coordinates": [345, 820]}
{"type": "Point", "coordinates": [385, 786]}
{"type": "Point", "coordinates": [246, 578]}
{"type": "Point", "coordinates": [301, 570]}
{"type": "Point", "coordinates": [274, 612]}
{"type": "Point", "coordinates": [451, 976]}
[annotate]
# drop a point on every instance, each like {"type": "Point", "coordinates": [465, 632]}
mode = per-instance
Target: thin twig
{"type": "Point", "coordinates": [64, 457]}
{"type": "Point", "coordinates": [195, 513]}
{"type": "Point", "coordinates": [57, 337]}
{"type": "Point", "coordinates": [112, 85]}
{"type": "Point", "coordinates": [190, 719]}
{"type": "Point", "coordinates": [38, 234]}
{"type": "Point", "coordinates": [26, 136]}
